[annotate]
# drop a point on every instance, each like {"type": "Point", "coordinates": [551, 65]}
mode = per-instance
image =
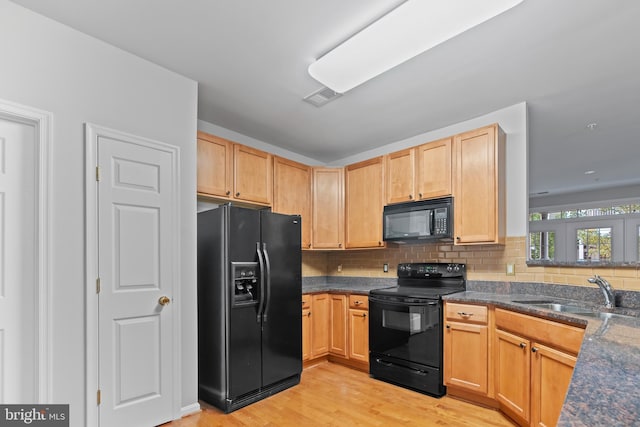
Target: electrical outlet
{"type": "Point", "coordinates": [339, 268]}
{"type": "Point", "coordinates": [511, 270]}
{"type": "Point", "coordinates": [385, 267]}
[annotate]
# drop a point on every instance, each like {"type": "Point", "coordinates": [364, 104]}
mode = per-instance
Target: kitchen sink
{"type": "Point", "coordinates": [570, 308]}
{"type": "Point", "coordinates": [565, 308]}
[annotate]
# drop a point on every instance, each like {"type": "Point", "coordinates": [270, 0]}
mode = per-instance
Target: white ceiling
{"type": "Point", "coordinates": [573, 61]}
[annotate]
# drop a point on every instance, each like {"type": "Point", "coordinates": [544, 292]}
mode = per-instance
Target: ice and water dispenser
{"type": "Point", "coordinates": [245, 283]}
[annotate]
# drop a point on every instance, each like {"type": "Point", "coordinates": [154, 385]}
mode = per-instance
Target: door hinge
{"type": "Point", "coordinates": [99, 397]}
{"type": "Point", "coordinates": [98, 285]}
{"type": "Point", "coordinates": [97, 173]}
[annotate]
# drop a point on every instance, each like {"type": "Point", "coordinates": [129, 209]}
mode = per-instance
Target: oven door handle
{"type": "Point", "coordinates": [391, 364]}
{"type": "Point", "coordinates": [400, 303]}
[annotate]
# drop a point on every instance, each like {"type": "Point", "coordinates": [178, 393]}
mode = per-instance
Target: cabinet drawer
{"type": "Point", "coordinates": [359, 301]}
{"type": "Point", "coordinates": [466, 312]}
{"type": "Point", "coordinates": [306, 301]}
{"type": "Point", "coordinates": [558, 335]}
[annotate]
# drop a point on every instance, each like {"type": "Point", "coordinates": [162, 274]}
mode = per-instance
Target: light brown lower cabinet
{"type": "Point", "coordinates": [466, 348]}
{"type": "Point", "coordinates": [345, 337]}
{"type": "Point", "coordinates": [339, 332]}
{"type": "Point", "coordinates": [319, 325]}
{"type": "Point", "coordinates": [359, 329]}
{"type": "Point", "coordinates": [306, 327]}
{"type": "Point", "coordinates": [518, 363]}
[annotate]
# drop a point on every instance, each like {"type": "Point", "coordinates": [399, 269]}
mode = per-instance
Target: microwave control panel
{"type": "Point", "coordinates": [440, 221]}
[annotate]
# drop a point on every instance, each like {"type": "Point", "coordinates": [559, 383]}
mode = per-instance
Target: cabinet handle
{"type": "Point", "coordinates": [228, 192]}
{"type": "Point", "coordinates": [357, 302]}
{"type": "Point", "coordinates": [309, 245]}
{"type": "Point", "coordinates": [463, 314]}
{"type": "Point", "coordinates": [448, 327]}
{"type": "Point", "coordinates": [523, 345]}
{"type": "Point", "coordinates": [420, 195]}
{"type": "Point", "coordinates": [364, 314]}
{"type": "Point", "coordinates": [410, 196]}
{"type": "Point", "coordinates": [457, 237]}
{"type": "Point", "coordinates": [379, 243]}
{"type": "Point", "coordinates": [309, 314]}
{"type": "Point", "coordinates": [339, 245]}
{"type": "Point", "coordinates": [237, 194]}
{"type": "Point", "coordinates": [534, 350]}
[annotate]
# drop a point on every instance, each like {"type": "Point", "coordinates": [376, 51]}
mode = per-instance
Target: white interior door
{"type": "Point", "coordinates": [18, 262]}
{"type": "Point", "coordinates": [137, 235]}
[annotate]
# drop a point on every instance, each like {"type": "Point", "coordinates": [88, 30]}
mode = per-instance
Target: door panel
{"type": "Point", "coordinates": [243, 329]}
{"type": "Point", "coordinates": [282, 329]}
{"type": "Point", "coordinates": [18, 267]}
{"type": "Point", "coordinates": [136, 264]}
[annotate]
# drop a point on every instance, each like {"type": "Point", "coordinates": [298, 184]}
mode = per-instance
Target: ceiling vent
{"type": "Point", "coordinates": [321, 96]}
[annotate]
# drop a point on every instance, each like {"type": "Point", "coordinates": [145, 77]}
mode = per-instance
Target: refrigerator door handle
{"type": "Point", "coordinates": [268, 287]}
{"type": "Point", "coordinates": [262, 274]}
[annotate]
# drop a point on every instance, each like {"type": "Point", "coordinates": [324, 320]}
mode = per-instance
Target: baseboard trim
{"type": "Point", "coordinates": [190, 409]}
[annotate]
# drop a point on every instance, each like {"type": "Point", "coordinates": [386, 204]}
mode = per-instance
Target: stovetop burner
{"type": "Point", "coordinates": [427, 280]}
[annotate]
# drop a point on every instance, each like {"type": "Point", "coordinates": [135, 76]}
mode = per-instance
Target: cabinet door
{"type": "Point", "coordinates": [400, 172]}
{"type": "Point", "coordinates": [338, 339]}
{"type": "Point", "coordinates": [328, 209]}
{"type": "Point", "coordinates": [466, 358]}
{"type": "Point", "coordinates": [434, 169]}
{"type": "Point", "coordinates": [292, 193]}
{"type": "Point", "coordinates": [479, 207]}
{"type": "Point", "coordinates": [215, 165]}
{"type": "Point", "coordinates": [253, 175]}
{"type": "Point", "coordinates": [551, 372]}
{"type": "Point", "coordinates": [513, 373]}
{"type": "Point", "coordinates": [364, 203]}
{"type": "Point", "coordinates": [359, 335]}
{"type": "Point", "coordinates": [306, 334]}
{"type": "Point", "coordinates": [320, 310]}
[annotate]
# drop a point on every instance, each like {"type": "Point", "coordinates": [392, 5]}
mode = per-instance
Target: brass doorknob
{"type": "Point", "coordinates": [164, 300]}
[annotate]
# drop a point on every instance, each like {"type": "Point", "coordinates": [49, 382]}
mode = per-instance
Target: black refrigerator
{"type": "Point", "coordinates": [249, 305]}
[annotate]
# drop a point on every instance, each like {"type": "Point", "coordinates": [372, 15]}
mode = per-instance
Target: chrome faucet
{"type": "Point", "coordinates": [607, 290]}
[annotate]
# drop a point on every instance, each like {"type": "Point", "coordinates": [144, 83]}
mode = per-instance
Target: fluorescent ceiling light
{"type": "Point", "coordinates": [412, 28]}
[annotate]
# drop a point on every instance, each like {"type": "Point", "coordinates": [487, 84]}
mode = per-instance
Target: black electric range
{"type": "Point", "coordinates": [405, 325]}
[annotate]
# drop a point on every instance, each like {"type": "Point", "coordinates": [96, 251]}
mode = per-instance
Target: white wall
{"type": "Point", "coordinates": [79, 79]}
{"type": "Point", "coordinates": [513, 120]}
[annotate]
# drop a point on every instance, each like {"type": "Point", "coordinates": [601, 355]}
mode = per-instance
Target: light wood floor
{"type": "Point", "coordinates": [334, 395]}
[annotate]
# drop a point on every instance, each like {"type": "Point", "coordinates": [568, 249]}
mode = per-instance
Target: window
{"type": "Point", "coordinates": [594, 244]}
{"type": "Point", "coordinates": [592, 235]}
{"type": "Point", "coordinates": [542, 245]}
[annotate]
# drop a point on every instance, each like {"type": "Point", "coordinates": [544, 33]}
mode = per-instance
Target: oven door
{"type": "Point", "coordinates": [406, 329]}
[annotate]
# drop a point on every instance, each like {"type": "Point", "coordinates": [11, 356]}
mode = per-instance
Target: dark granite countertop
{"type": "Point", "coordinates": [356, 285]}
{"type": "Point", "coordinates": [604, 389]}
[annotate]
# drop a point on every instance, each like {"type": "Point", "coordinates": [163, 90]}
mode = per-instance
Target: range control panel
{"type": "Point", "coordinates": [431, 270]}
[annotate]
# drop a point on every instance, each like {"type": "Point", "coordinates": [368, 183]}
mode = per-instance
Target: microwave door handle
{"type": "Point", "coordinates": [431, 223]}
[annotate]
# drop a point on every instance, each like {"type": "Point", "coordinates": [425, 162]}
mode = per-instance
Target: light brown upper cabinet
{"type": "Point", "coordinates": [434, 169]}
{"type": "Point", "coordinates": [364, 195]}
{"type": "Point", "coordinates": [419, 173]}
{"type": "Point", "coordinates": [292, 193]}
{"type": "Point", "coordinates": [231, 171]}
{"type": "Point", "coordinates": [328, 209]}
{"type": "Point", "coordinates": [401, 176]}
{"type": "Point", "coordinates": [252, 174]}
{"type": "Point", "coordinates": [479, 196]}
{"type": "Point", "coordinates": [215, 166]}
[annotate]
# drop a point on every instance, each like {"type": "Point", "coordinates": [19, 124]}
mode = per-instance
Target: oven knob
{"type": "Point", "coordinates": [456, 268]}
{"type": "Point", "coordinates": [449, 268]}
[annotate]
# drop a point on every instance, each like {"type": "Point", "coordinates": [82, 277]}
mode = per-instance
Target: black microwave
{"type": "Point", "coordinates": [419, 222]}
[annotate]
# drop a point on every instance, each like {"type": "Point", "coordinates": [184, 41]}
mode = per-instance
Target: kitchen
{"type": "Point", "coordinates": [84, 83]}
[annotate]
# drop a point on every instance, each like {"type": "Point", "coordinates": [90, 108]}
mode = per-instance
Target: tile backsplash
{"type": "Point", "coordinates": [484, 262]}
